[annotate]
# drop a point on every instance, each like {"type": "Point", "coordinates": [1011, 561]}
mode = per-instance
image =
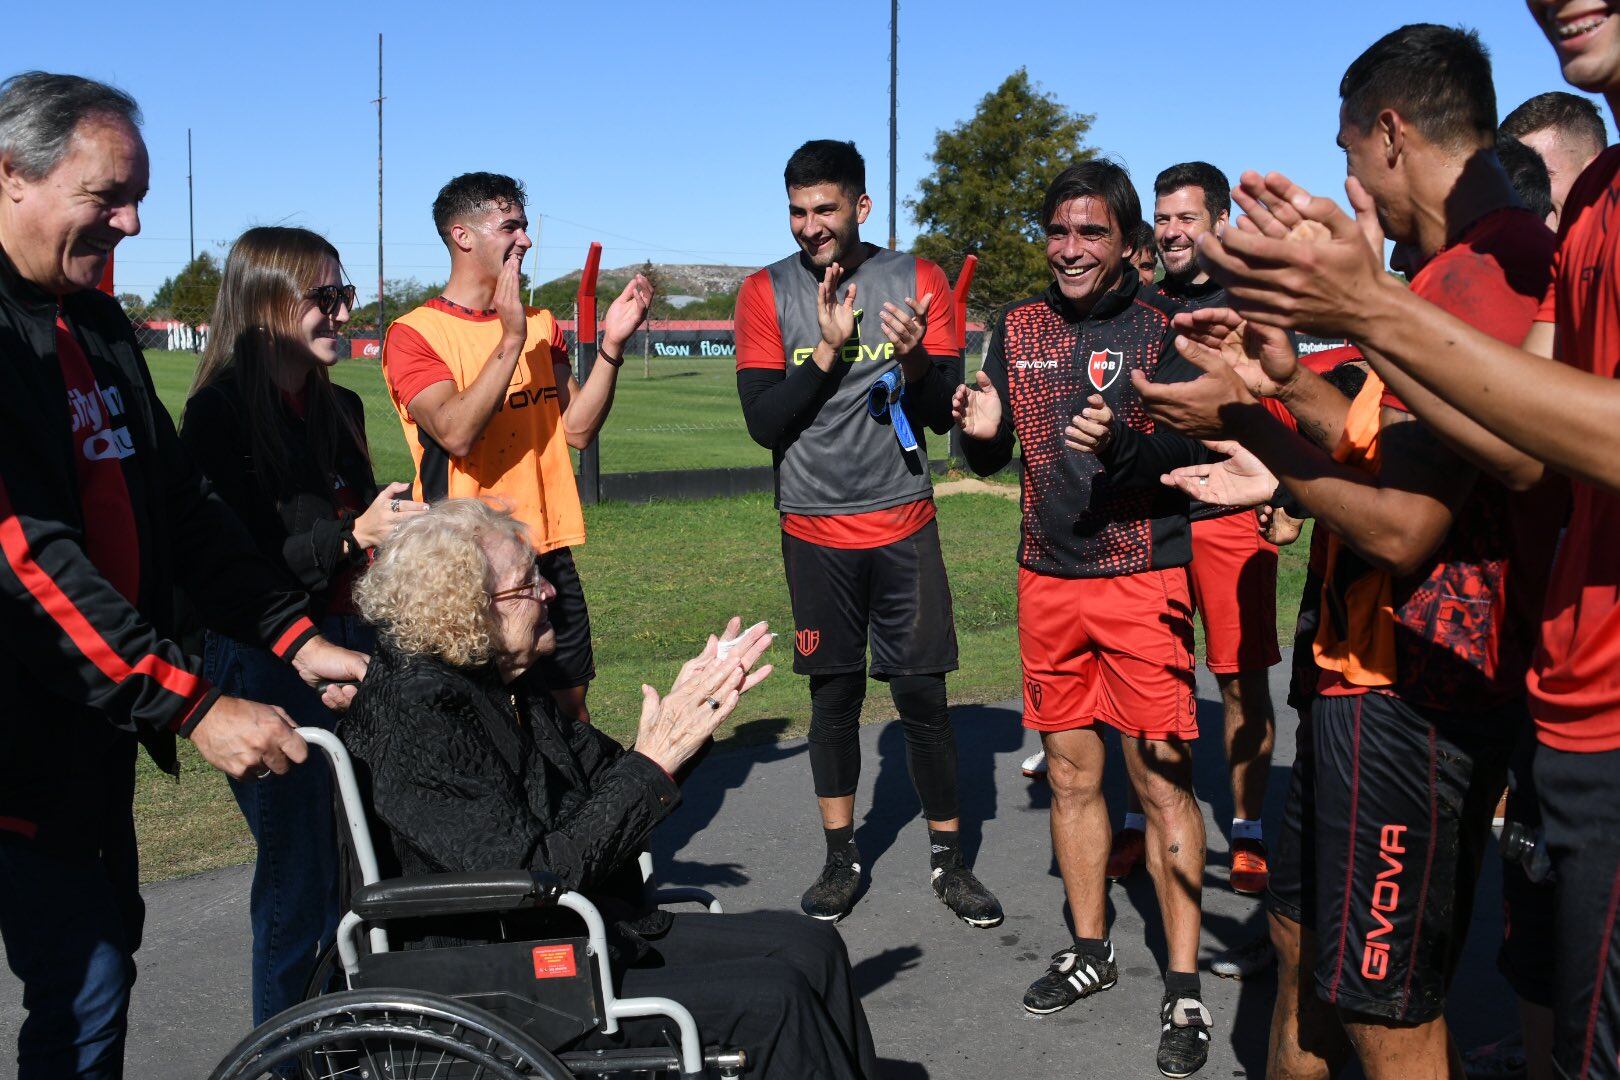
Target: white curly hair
{"type": "Point", "coordinates": [428, 588]}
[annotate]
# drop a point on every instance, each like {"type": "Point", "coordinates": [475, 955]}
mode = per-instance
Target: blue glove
{"type": "Point", "coordinates": [888, 395]}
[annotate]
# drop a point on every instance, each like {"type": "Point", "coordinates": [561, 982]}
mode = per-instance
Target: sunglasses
{"type": "Point", "coordinates": [331, 297]}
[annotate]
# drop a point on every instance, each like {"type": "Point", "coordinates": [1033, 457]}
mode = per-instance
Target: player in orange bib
{"type": "Point", "coordinates": [490, 406]}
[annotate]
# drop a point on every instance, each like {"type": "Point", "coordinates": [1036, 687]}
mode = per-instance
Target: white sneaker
{"type": "Point", "coordinates": [1034, 766]}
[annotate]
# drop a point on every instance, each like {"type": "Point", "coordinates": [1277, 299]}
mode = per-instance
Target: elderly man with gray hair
{"type": "Point", "coordinates": [102, 518]}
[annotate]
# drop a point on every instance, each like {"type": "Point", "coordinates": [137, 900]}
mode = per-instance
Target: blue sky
{"type": "Point", "coordinates": [661, 128]}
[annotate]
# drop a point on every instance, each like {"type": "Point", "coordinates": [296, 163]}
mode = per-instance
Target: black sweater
{"type": "Point", "coordinates": [464, 773]}
{"type": "Point", "coordinates": [298, 525]}
{"type": "Point", "coordinates": [1088, 515]}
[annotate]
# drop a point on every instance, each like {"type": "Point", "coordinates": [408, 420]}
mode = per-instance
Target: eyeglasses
{"type": "Point", "coordinates": [331, 297]}
{"type": "Point", "coordinates": [529, 590]}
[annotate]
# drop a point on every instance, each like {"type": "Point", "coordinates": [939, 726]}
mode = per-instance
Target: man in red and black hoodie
{"type": "Point", "coordinates": [1104, 624]}
{"type": "Point", "coordinates": [102, 516]}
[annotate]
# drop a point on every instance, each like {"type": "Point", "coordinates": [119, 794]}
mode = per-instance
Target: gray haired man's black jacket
{"type": "Point", "coordinates": [85, 673]}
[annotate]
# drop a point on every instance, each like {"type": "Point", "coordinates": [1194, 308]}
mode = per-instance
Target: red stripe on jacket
{"type": "Point", "coordinates": [60, 607]}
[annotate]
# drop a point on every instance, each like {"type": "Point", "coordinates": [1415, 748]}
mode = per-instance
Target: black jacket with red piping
{"type": "Point", "coordinates": [84, 673]}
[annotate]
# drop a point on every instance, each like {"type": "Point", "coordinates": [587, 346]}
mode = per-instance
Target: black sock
{"type": "Point", "coordinates": [1183, 984]}
{"type": "Point", "coordinates": [1098, 948]}
{"type": "Point", "coordinates": [840, 843]}
{"type": "Point", "coordinates": [944, 850]}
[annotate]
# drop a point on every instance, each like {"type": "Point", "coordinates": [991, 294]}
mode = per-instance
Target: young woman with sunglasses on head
{"type": "Point", "coordinates": [287, 449]}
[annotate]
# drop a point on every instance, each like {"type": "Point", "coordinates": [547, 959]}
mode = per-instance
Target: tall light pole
{"type": "Point", "coordinates": [191, 209]}
{"type": "Point", "coordinates": [381, 309]}
{"type": "Point", "coordinates": [894, 83]}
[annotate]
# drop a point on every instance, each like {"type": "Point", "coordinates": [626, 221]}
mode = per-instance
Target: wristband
{"type": "Point", "coordinates": [602, 354]}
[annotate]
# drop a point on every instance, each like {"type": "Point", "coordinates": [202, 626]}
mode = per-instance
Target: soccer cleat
{"type": "Point", "coordinates": [1184, 1037]}
{"type": "Point", "coordinates": [1125, 853]}
{"type": "Point", "coordinates": [1034, 766]}
{"type": "Point", "coordinates": [960, 891]}
{"type": "Point", "coordinates": [832, 896]}
{"type": "Point", "coordinates": [1071, 976]}
{"type": "Point", "coordinates": [1249, 870]}
{"type": "Point", "coordinates": [1250, 958]}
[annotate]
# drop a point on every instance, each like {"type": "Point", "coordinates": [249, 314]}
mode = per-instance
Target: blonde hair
{"type": "Point", "coordinates": [428, 589]}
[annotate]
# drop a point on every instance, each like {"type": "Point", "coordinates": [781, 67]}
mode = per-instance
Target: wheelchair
{"type": "Point", "coordinates": [505, 1010]}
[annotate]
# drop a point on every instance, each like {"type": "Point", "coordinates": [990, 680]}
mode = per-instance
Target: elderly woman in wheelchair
{"type": "Point", "coordinates": [491, 811]}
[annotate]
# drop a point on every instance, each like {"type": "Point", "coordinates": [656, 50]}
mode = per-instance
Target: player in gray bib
{"type": "Point", "coordinates": [847, 355]}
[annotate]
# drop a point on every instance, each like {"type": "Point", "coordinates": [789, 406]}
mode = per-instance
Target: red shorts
{"type": "Point", "coordinates": [1234, 587]}
{"type": "Point", "coordinates": [1117, 650]}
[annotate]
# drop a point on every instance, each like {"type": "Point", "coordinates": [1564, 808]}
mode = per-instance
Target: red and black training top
{"type": "Point", "coordinates": [1575, 682]}
{"type": "Point", "coordinates": [1081, 519]}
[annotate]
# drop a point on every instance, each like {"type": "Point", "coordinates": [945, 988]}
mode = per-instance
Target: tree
{"type": "Point", "coordinates": [402, 295]}
{"type": "Point", "coordinates": [134, 307]}
{"type": "Point", "coordinates": [190, 294]}
{"type": "Point", "coordinates": [984, 196]}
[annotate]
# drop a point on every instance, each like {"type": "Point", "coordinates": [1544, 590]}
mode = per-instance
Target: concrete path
{"type": "Point", "coordinates": [943, 999]}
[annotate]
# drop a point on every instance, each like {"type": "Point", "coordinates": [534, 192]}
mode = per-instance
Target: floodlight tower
{"type": "Point", "coordinates": [894, 83]}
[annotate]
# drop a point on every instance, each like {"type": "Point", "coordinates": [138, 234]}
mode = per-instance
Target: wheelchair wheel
{"type": "Point", "coordinates": [388, 1035]}
{"type": "Point", "coordinates": [327, 977]}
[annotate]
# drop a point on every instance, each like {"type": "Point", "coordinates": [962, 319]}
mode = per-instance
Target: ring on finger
{"type": "Point", "coordinates": [262, 773]}
{"type": "Point", "coordinates": [393, 505]}
{"type": "Point", "coordinates": [714, 703]}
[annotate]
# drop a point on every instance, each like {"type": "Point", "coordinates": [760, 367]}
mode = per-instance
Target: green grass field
{"type": "Point", "coordinates": [684, 416]}
{"type": "Point", "coordinates": [659, 577]}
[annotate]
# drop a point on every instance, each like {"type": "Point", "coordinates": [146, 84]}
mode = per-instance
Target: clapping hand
{"type": "Point", "coordinates": [905, 328]}
{"type": "Point", "coordinates": [1239, 480]}
{"type": "Point", "coordinates": [836, 318]}
{"type": "Point", "coordinates": [1093, 429]}
{"type": "Point", "coordinates": [676, 726]}
{"type": "Point", "coordinates": [1262, 356]}
{"type": "Point", "coordinates": [976, 409]}
{"type": "Point", "coordinates": [509, 303]}
{"type": "Point", "coordinates": [626, 313]}
{"type": "Point", "coordinates": [1314, 276]}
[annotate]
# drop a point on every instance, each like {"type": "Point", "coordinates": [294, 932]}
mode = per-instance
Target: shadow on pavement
{"type": "Point", "coordinates": [982, 733]}
{"type": "Point", "coordinates": [723, 772]}
{"type": "Point", "coordinates": [877, 970]}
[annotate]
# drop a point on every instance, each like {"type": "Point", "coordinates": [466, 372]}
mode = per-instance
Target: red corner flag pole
{"type": "Point", "coordinates": [590, 459]}
{"type": "Point", "coordinates": [964, 282]}
{"type": "Point", "coordinates": [959, 295]}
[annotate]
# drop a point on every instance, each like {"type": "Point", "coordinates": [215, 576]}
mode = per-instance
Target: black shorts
{"type": "Point", "coordinates": [1529, 908]}
{"type": "Point", "coordinates": [895, 595]}
{"type": "Point", "coordinates": [1291, 883]}
{"type": "Point", "coordinates": [1392, 820]}
{"type": "Point", "coordinates": [1580, 810]}
{"type": "Point", "coordinates": [573, 664]}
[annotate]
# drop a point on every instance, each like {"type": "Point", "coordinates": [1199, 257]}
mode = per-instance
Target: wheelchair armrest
{"type": "Point", "coordinates": [682, 894]}
{"type": "Point", "coordinates": [456, 894]}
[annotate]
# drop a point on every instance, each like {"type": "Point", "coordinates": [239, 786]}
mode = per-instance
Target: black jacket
{"type": "Point", "coordinates": [83, 672]}
{"type": "Point", "coordinates": [296, 523]}
{"type": "Point", "coordinates": [1087, 515]}
{"type": "Point", "coordinates": [464, 773]}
